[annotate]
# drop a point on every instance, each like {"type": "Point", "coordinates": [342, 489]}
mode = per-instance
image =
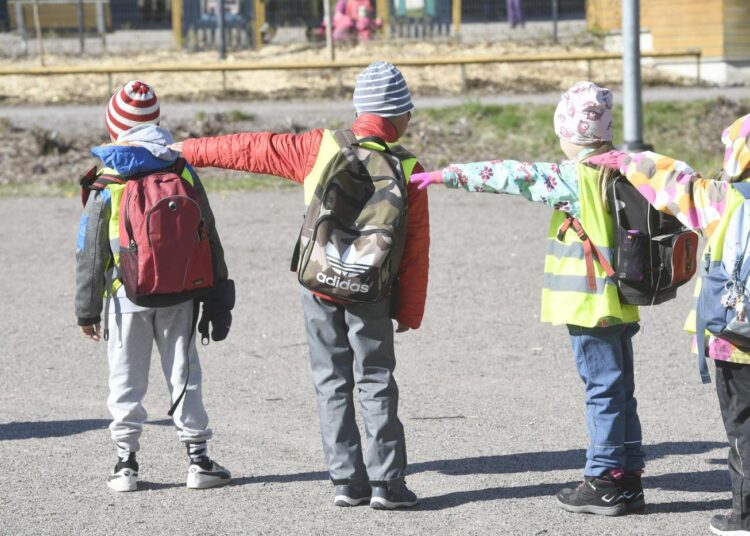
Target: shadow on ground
{"type": "Point", "coordinates": [558, 460]}
{"type": "Point", "coordinates": [47, 429]}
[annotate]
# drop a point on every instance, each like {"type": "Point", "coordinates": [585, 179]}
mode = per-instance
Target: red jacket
{"type": "Point", "coordinates": [293, 156]}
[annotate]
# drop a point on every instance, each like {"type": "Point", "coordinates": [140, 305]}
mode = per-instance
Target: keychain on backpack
{"type": "Point", "coordinates": [729, 299]}
{"type": "Point", "coordinates": [741, 311]}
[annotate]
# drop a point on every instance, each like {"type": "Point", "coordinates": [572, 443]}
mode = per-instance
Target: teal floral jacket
{"type": "Point", "coordinates": [555, 185]}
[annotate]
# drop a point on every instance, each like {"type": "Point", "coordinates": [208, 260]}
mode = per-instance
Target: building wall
{"type": "Point", "coordinates": [737, 30]}
{"type": "Point", "coordinates": [718, 27]}
{"type": "Point", "coordinates": [683, 24]}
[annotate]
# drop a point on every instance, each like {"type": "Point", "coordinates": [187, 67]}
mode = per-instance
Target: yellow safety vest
{"type": "Point", "coordinates": [330, 148]}
{"type": "Point", "coordinates": [566, 296]}
{"type": "Point", "coordinates": [713, 255]}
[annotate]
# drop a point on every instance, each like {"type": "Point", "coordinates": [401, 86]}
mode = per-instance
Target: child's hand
{"type": "Point", "coordinates": [613, 159]}
{"type": "Point", "coordinates": [402, 328]}
{"type": "Point", "coordinates": [93, 331]}
{"type": "Point", "coordinates": [423, 180]}
{"type": "Point", "coordinates": [176, 146]}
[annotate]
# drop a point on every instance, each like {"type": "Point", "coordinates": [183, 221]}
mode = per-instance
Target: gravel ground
{"type": "Point", "coordinates": [490, 399]}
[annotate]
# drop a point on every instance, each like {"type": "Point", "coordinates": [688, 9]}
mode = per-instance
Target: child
{"type": "Point", "coordinates": [140, 147]}
{"type": "Point", "coordinates": [600, 327]}
{"type": "Point", "coordinates": [350, 343]}
{"type": "Point", "coordinates": [708, 206]}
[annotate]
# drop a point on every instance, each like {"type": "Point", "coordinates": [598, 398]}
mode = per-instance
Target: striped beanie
{"type": "Point", "coordinates": [381, 90]}
{"type": "Point", "coordinates": [135, 104]}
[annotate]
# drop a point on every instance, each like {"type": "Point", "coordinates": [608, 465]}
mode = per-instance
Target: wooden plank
{"type": "Point", "coordinates": [347, 64]}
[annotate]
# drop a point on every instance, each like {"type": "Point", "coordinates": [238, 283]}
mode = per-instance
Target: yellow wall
{"type": "Point", "coordinates": [58, 16]}
{"type": "Point", "coordinates": [736, 24]}
{"type": "Point", "coordinates": [717, 27]}
{"type": "Point", "coordinates": [677, 25]}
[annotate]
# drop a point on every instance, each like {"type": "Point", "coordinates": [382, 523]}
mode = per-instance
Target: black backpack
{"type": "Point", "coordinates": [653, 252]}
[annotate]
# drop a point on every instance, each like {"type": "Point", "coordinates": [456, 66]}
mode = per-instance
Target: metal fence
{"type": "Point", "coordinates": [251, 23]}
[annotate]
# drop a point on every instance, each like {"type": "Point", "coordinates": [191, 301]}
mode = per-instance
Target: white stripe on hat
{"type": "Point", "coordinates": [380, 98]}
{"type": "Point", "coordinates": [392, 92]}
{"type": "Point", "coordinates": [392, 86]}
{"type": "Point", "coordinates": [129, 108]}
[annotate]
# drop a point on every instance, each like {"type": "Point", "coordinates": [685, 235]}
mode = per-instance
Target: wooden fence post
{"type": "Point", "coordinates": [177, 24]}
{"type": "Point", "coordinates": [457, 17]}
{"type": "Point", "coordinates": [259, 19]}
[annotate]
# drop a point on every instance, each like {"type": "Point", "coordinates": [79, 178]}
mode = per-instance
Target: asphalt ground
{"type": "Point", "coordinates": [490, 399]}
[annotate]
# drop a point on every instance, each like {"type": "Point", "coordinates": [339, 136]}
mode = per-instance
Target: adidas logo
{"type": "Point", "coordinates": [348, 263]}
{"type": "Point", "coordinates": [343, 284]}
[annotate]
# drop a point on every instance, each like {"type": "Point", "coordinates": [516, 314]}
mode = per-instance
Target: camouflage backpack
{"type": "Point", "coordinates": [354, 231]}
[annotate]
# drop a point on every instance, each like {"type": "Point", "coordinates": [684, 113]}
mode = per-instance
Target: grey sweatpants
{"type": "Point", "coordinates": [353, 344]}
{"type": "Point", "coordinates": [131, 339]}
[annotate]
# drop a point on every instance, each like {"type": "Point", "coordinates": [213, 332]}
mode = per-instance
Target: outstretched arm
{"type": "Point", "coordinates": [555, 185]}
{"type": "Point", "coordinates": [671, 186]}
{"type": "Point", "coordinates": [290, 156]}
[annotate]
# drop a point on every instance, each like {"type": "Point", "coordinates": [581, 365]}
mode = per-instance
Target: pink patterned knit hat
{"type": "Point", "coordinates": [584, 114]}
{"type": "Point", "coordinates": [135, 104]}
{"type": "Point", "coordinates": [736, 139]}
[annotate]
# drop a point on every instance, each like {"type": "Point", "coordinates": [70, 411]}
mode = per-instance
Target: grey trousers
{"type": "Point", "coordinates": [353, 345]}
{"type": "Point", "coordinates": [132, 336]}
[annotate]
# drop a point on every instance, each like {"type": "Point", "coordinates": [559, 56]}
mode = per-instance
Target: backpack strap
{"type": "Point", "coordinates": [590, 251]}
{"type": "Point", "coordinates": [86, 181]}
{"type": "Point", "coordinates": [345, 138]}
{"type": "Point", "coordinates": [743, 188]}
{"type": "Point", "coordinates": [700, 341]}
{"type": "Point", "coordinates": [179, 166]}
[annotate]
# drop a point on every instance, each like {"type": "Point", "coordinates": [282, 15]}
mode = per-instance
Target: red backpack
{"type": "Point", "coordinates": [165, 255]}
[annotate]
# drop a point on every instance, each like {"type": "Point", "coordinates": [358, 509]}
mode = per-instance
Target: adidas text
{"type": "Point", "coordinates": [343, 284]}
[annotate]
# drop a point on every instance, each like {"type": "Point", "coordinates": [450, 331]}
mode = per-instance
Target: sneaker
{"type": "Point", "coordinates": [632, 491]}
{"type": "Point", "coordinates": [595, 495]}
{"type": "Point", "coordinates": [726, 524]}
{"type": "Point", "coordinates": [207, 474]}
{"type": "Point", "coordinates": [352, 494]}
{"type": "Point", "coordinates": [124, 476]}
{"type": "Point", "coordinates": [394, 495]}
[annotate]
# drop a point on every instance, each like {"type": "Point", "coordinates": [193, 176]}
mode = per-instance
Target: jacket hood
{"type": "Point", "coordinates": [139, 150]}
{"type": "Point", "coordinates": [736, 140]}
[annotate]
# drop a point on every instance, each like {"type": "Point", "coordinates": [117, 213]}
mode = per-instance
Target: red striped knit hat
{"type": "Point", "coordinates": [135, 104]}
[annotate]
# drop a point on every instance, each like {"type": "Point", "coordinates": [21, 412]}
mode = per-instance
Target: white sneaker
{"type": "Point", "coordinates": [208, 474]}
{"type": "Point", "coordinates": [124, 476]}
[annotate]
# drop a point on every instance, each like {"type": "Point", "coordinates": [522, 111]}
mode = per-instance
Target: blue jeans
{"type": "Point", "coordinates": [604, 358]}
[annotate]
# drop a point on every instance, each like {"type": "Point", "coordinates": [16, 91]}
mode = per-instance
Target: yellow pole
{"type": "Point", "coordinates": [259, 20]}
{"type": "Point", "coordinates": [177, 23]}
{"type": "Point", "coordinates": [384, 13]}
{"type": "Point", "coordinates": [456, 17]}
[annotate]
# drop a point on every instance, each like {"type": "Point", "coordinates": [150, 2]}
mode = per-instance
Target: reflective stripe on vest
{"type": "Point", "coordinates": [329, 148]}
{"type": "Point", "coordinates": [715, 250]}
{"type": "Point", "coordinates": [566, 296]}
{"type": "Point", "coordinates": [116, 191]}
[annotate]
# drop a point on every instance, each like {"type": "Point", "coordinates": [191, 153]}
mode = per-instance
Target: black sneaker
{"type": "Point", "coordinates": [595, 495]}
{"type": "Point", "coordinates": [352, 494]}
{"type": "Point", "coordinates": [394, 495]}
{"type": "Point", "coordinates": [124, 476]}
{"type": "Point", "coordinates": [632, 491]}
{"type": "Point", "coordinates": [726, 524]}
